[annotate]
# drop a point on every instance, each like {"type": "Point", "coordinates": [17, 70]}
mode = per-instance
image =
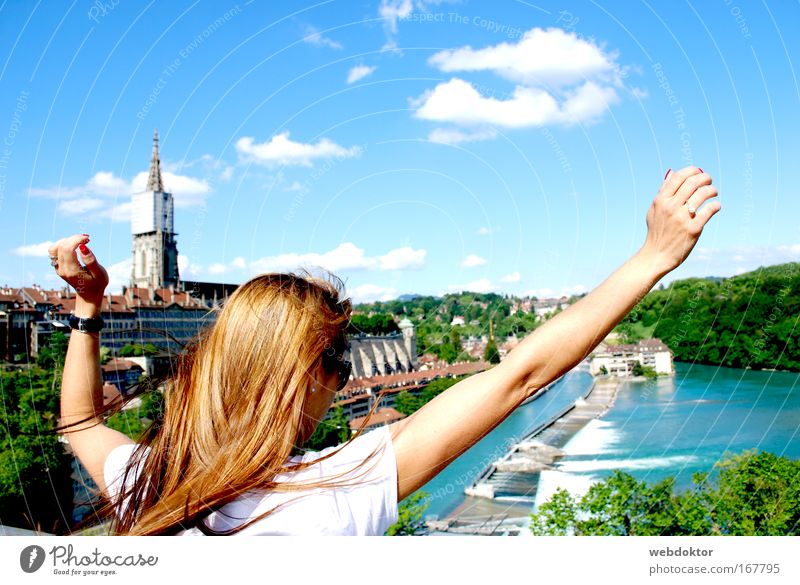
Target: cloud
{"type": "Point", "coordinates": [35, 250]}
{"type": "Point", "coordinates": [281, 150]}
{"type": "Point", "coordinates": [80, 205]}
{"type": "Point", "coordinates": [551, 58]}
{"type": "Point", "coordinates": [346, 256]}
{"type": "Point", "coordinates": [481, 285]}
{"type": "Point", "coordinates": [314, 37]}
{"type": "Point", "coordinates": [217, 269]}
{"type": "Point", "coordinates": [359, 72]}
{"type": "Point", "coordinates": [226, 174]}
{"type": "Point", "coordinates": [484, 231]}
{"type": "Point", "coordinates": [453, 136]}
{"type": "Point", "coordinates": [403, 259]}
{"type": "Point", "coordinates": [187, 269]}
{"type": "Point", "coordinates": [368, 293]}
{"type": "Point", "coordinates": [119, 275]}
{"type": "Point", "coordinates": [239, 262]}
{"type": "Point", "coordinates": [472, 260]}
{"type": "Point", "coordinates": [513, 277]}
{"type": "Point", "coordinates": [459, 102]}
{"type": "Point", "coordinates": [392, 11]}
{"type": "Point", "coordinates": [99, 193]}
{"type": "Point", "coordinates": [560, 79]}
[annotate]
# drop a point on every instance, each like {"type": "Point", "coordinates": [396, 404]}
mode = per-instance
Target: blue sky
{"type": "Point", "coordinates": [409, 146]}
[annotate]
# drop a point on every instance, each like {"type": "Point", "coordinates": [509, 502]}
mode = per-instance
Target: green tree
{"type": "Point", "coordinates": [406, 403]}
{"type": "Point", "coordinates": [750, 494]}
{"type": "Point", "coordinates": [491, 354]}
{"type": "Point", "coordinates": [35, 483]}
{"type": "Point", "coordinates": [409, 515]}
{"type": "Point", "coordinates": [637, 369]}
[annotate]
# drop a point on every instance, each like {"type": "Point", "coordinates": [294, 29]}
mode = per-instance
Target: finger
{"type": "Point", "coordinates": [704, 214]}
{"type": "Point", "coordinates": [67, 259]}
{"type": "Point", "coordinates": [675, 180]}
{"type": "Point", "coordinates": [91, 263]}
{"type": "Point", "coordinates": [702, 194]}
{"type": "Point", "coordinates": [691, 185]}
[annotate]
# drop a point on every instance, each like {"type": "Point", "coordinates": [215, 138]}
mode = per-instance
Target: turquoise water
{"type": "Point", "coordinates": [682, 425]}
{"type": "Point", "coordinates": [669, 426]}
{"type": "Point", "coordinates": [446, 490]}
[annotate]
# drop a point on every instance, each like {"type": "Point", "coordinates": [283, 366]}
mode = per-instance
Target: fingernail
{"type": "Point", "coordinates": [84, 249]}
{"type": "Point", "coordinates": [701, 170]}
{"type": "Point", "coordinates": [669, 170]}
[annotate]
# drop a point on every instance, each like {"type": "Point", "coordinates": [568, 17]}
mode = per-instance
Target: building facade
{"type": "Point", "coordinates": [619, 359]}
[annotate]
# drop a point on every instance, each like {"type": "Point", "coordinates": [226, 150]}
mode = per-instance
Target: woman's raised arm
{"type": "Point", "coordinates": [428, 440]}
{"type": "Point", "coordinates": [81, 384]}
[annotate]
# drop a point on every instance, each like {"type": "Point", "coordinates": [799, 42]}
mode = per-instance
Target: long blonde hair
{"type": "Point", "coordinates": [234, 409]}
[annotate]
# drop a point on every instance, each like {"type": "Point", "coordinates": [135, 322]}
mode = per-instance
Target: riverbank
{"type": "Point", "coordinates": [502, 497]}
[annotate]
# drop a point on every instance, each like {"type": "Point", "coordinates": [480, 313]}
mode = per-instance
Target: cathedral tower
{"type": "Point", "coordinates": [155, 251]}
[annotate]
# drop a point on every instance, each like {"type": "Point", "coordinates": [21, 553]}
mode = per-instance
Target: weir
{"type": "Point", "coordinates": [507, 486]}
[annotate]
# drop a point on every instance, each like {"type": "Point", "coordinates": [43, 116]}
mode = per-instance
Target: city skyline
{"type": "Point", "coordinates": [410, 147]}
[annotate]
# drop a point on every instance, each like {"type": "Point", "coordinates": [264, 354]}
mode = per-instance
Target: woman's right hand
{"type": "Point", "coordinates": [89, 279]}
{"type": "Point", "coordinates": [672, 230]}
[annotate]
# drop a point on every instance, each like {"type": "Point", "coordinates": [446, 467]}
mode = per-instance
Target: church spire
{"type": "Point", "coordinates": [154, 182]}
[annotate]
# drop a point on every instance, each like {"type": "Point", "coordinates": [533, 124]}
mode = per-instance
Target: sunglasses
{"type": "Point", "coordinates": [343, 368]}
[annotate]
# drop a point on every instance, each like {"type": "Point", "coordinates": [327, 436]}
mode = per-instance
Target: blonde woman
{"type": "Point", "coordinates": [258, 382]}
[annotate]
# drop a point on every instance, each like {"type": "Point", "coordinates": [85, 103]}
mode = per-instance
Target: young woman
{"type": "Point", "coordinates": [258, 382]}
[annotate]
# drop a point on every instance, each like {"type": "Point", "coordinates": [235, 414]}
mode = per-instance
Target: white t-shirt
{"type": "Point", "coordinates": [366, 509]}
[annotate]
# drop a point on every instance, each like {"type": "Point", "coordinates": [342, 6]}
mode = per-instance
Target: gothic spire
{"type": "Point", "coordinates": [154, 182]}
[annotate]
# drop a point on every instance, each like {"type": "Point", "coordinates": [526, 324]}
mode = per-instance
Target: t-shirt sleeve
{"type": "Point", "coordinates": [114, 470]}
{"type": "Point", "coordinates": [371, 503]}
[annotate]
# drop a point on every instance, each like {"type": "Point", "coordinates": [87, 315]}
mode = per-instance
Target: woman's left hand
{"type": "Point", "coordinates": [89, 279]}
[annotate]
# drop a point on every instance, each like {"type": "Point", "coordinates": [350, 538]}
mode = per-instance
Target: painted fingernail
{"type": "Point", "coordinates": [84, 249]}
{"type": "Point", "coordinates": [667, 173]}
{"type": "Point", "coordinates": [701, 170]}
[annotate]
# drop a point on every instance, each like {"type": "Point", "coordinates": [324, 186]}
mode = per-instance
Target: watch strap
{"type": "Point", "coordinates": [86, 325]}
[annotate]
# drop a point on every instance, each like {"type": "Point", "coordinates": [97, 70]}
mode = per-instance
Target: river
{"type": "Point", "coordinates": [668, 426]}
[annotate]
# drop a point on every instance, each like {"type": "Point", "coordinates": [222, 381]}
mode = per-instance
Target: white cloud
{"type": "Point", "coordinates": [314, 37]}
{"type": "Point", "coordinates": [459, 102]}
{"type": "Point", "coordinates": [119, 275]}
{"type": "Point", "coordinates": [559, 78]}
{"type": "Point", "coordinates": [359, 72]}
{"type": "Point", "coordinates": [402, 259]}
{"type": "Point", "coordinates": [99, 193]}
{"type": "Point", "coordinates": [217, 268]}
{"type": "Point", "coordinates": [484, 231]}
{"type": "Point", "coordinates": [454, 136]}
{"type": "Point", "coordinates": [36, 250]}
{"type": "Point", "coordinates": [346, 256]}
{"type": "Point", "coordinates": [392, 11]}
{"type": "Point", "coordinates": [281, 150]}
{"type": "Point", "coordinates": [472, 260]}
{"type": "Point", "coordinates": [368, 293]}
{"type": "Point", "coordinates": [551, 57]}
{"type": "Point", "coordinates": [239, 262]}
{"type": "Point", "coordinates": [226, 174]}
{"type": "Point", "coordinates": [80, 205]}
{"type": "Point", "coordinates": [480, 286]}
{"type": "Point", "coordinates": [120, 212]}
{"type": "Point", "coordinates": [513, 277]}
{"type": "Point", "coordinates": [187, 269]}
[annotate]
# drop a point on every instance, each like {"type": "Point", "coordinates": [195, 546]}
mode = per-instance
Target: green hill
{"type": "Point", "coordinates": [745, 321]}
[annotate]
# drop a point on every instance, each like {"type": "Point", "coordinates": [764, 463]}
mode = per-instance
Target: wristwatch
{"type": "Point", "coordinates": [90, 325]}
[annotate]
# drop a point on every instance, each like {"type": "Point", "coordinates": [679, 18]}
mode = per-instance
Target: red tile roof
{"type": "Point", "coordinates": [384, 415]}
